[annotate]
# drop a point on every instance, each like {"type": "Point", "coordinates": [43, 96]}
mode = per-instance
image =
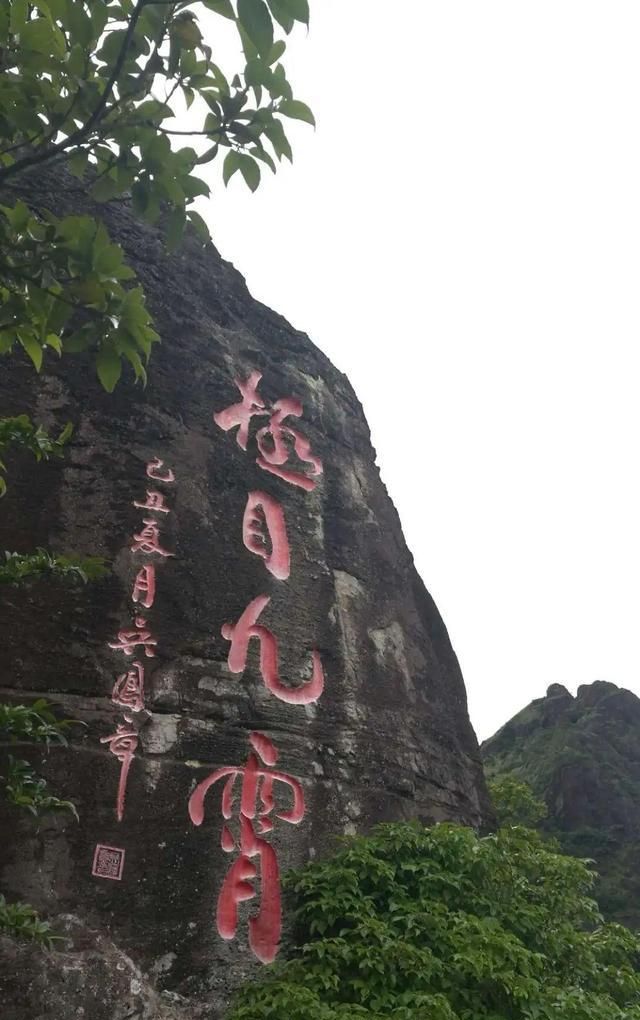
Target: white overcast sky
{"type": "Point", "coordinates": [461, 236]}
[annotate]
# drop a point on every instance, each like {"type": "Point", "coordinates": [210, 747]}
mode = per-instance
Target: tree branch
{"type": "Point", "coordinates": [80, 134]}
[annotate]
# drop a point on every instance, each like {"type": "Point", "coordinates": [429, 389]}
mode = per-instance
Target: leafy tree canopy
{"type": "Point", "coordinates": [515, 802]}
{"type": "Point", "coordinates": [97, 84]}
{"type": "Point", "coordinates": [416, 923]}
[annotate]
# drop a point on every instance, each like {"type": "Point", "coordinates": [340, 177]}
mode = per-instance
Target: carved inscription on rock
{"type": "Point", "coordinates": [264, 533]}
{"type": "Point", "coordinates": [135, 639]}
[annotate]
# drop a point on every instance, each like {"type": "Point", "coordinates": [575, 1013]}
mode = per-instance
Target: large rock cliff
{"type": "Point", "coordinates": [581, 756]}
{"type": "Point", "coordinates": [387, 738]}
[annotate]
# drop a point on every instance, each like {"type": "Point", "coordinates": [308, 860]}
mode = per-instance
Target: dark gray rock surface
{"type": "Point", "coordinates": [390, 737]}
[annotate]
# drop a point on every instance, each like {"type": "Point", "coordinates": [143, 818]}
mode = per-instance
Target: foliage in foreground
{"type": "Point", "coordinates": [19, 567]}
{"type": "Point", "coordinates": [104, 86]}
{"type": "Point", "coordinates": [36, 724]}
{"type": "Point", "coordinates": [21, 921]}
{"type": "Point", "coordinates": [415, 923]}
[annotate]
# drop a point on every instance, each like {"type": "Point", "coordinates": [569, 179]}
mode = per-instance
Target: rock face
{"type": "Point", "coordinates": [581, 755]}
{"type": "Point", "coordinates": [389, 736]}
{"type": "Point", "coordinates": [87, 977]}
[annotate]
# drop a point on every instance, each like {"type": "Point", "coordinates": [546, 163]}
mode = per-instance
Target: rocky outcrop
{"type": "Point", "coordinates": [389, 737]}
{"type": "Point", "coordinates": [581, 756]}
{"type": "Point", "coordinates": [83, 975]}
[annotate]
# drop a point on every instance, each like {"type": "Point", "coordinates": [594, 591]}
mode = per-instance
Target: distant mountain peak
{"type": "Point", "coordinates": [582, 756]}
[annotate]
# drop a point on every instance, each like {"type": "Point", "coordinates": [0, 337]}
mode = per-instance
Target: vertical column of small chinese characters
{"type": "Point", "coordinates": [135, 640]}
{"type": "Point", "coordinates": [264, 533]}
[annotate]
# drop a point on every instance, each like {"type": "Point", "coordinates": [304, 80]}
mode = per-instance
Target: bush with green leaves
{"type": "Point", "coordinates": [415, 923]}
{"type": "Point", "coordinates": [21, 921]}
{"type": "Point", "coordinates": [103, 87]}
{"type": "Point", "coordinates": [515, 802]}
{"type": "Point", "coordinates": [32, 724]}
{"type": "Point", "coordinates": [19, 567]}
{"type": "Point", "coordinates": [24, 789]}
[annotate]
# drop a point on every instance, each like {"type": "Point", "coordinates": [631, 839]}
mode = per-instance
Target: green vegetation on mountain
{"type": "Point", "coordinates": [415, 923]}
{"type": "Point", "coordinates": [581, 756]}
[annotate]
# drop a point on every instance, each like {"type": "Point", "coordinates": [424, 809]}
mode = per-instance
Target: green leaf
{"type": "Point", "coordinates": [222, 7]}
{"type": "Point", "coordinates": [66, 434]}
{"type": "Point", "coordinates": [248, 48]}
{"type": "Point", "coordinates": [259, 153]}
{"type": "Point", "coordinates": [297, 8]}
{"type": "Point", "coordinates": [112, 45]}
{"type": "Point", "coordinates": [51, 340]}
{"type": "Point", "coordinates": [194, 186]}
{"type": "Point", "coordinates": [276, 135]}
{"type": "Point", "coordinates": [230, 165]}
{"type": "Point", "coordinates": [31, 346]}
{"type": "Point", "coordinates": [76, 60]}
{"type": "Point", "coordinates": [133, 358]}
{"type": "Point", "coordinates": [43, 36]}
{"type": "Point", "coordinates": [140, 194]}
{"type": "Point", "coordinates": [87, 292]}
{"type": "Point", "coordinates": [18, 15]}
{"type": "Point", "coordinates": [282, 15]}
{"type": "Point", "coordinates": [79, 24]}
{"type": "Point", "coordinates": [254, 17]}
{"type": "Point", "coordinates": [99, 16]}
{"type": "Point", "coordinates": [277, 50]}
{"type": "Point", "coordinates": [78, 162]}
{"type": "Point", "coordinates": [108, 260]}
{"type": "Point", "coordinates": [104, 189]}
{"type": "Point", "coordinates": [297, 110]}
{"type": "Point", "coordinates": [4, 29]}
{"type": "Point", "coordinates": [257, 72]}
{"type": "Point", "coordinates": [76, 342]}
{"type": "Point", "coordinates": [278, 85]}
{"type": "Point", "coordinates": [109, 368]}
{"type": "Point", "coordinates": [249, 170]}
{"type": "Point", "coordinates": [176, 222]}
{"type": "Point", "coordinates": [56, 8]}
{"type": "Point", "coordinates": [199, 225]}
{"type": "Point", "coordinates": [211, 125]}
{"type": "Point", "coordinates": [185, 29]}
{"type": "Point", "coordinates": [18, 216]}
{"type": "Point", "coordinates": [209, 154]}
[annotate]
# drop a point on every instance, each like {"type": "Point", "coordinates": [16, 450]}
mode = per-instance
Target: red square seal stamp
{"type": "Point", "coordinates": [108, 862]}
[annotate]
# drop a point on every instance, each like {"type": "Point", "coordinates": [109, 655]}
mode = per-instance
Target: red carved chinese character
{"type": "Point", "coordinates": [129, 638]}
{"type": "Point", "coordinates": [265, 927]}
{"type": "Point", "coordinates": [275, 454]}
{"type": "Point", "coordinates": [153, 468]}
{"type": "Point", "coordinates": [148, 541]}
{"type": "Point", "coordinates": [144, 586]}
{"type": "Point", "coordinates": [240, 634]}
{"type": "Point", "coordinates": [128, 689]}
{"type": "Point", "coordinates": [122, 744]}
{"type": "Point", "coordinates": [241, 413]}
{"type": "Point", "coordinates": [155, 501]}
{"type": "Point", "coordinates": [263, 511]}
